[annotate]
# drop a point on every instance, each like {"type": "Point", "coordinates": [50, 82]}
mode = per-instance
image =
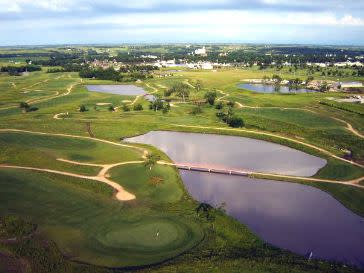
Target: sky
{"type": "Point", "coordinates": [40, 22]}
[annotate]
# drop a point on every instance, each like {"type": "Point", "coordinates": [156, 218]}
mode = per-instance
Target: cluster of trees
{"type": "Point", "coordinates": [101, 74]}
{"type": "Point", "coordinates": [113, 75]}
{"type": "Point", "coordinates": [18, 70]}
{"type": "Point", "coordinates": [158, 104]}
{"type": "Point", "coordinates": [180, 89]}
{"type": "Point", "coordinates": [229, 116]}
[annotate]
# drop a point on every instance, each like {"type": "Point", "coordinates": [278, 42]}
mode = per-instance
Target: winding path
{"type": "Point", "coordinates": [69, 90]}
{"type": "Point", "coordinates": [349, 127]}
{"type": "Point", "coordinates": [102, 176]}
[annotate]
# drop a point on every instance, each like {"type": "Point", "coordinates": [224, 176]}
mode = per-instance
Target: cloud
{"type": "Point", "coordinates": [104, 20]}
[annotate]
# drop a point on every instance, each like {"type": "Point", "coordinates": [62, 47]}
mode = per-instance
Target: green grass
{"type": "Point", "coordinates": [41, 151]}
{"type": "Point", "coordinates": [137, 179]}
{"type": "Point", "coordinates": [93, 228]}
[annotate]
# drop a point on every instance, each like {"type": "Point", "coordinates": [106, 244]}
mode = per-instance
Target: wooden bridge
{"type": "Point", "coordinates": [212, 170]}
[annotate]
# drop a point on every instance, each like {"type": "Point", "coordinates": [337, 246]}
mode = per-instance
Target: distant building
{"type": "Point", "coordinates": [207, 66]}
{"type": "Point", "coordinates": [200, 51]}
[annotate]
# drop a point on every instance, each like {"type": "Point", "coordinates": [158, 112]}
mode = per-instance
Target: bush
{"type": "Point", "coordinates": [138, 107]}
{"type": "Point", "coordinates": [219, 105]}
{"type": "Point", "coordinates": [231, 104]}
{"type": "Point", "coordinates": [235, 122]}
{"type": "Point", "coordinates": [126, 108]}
{"type": "Point", "coordinates": [210, 97]}
{"type": "Point", "coordinates": [83, 108]}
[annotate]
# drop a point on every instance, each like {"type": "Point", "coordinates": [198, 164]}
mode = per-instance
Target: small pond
{"type": "Point", "coordinates": [125, 90]}
{"type": "Point", "coordinates": [121, 89]}
{"type": "Point", "coordinates": [232, 152]}
{"type": "Point", "coordinates": [268, 88]}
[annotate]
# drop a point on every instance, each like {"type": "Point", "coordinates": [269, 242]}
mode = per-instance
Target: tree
{"type": "Point", "coordinates": [277, 87]}
{"type": "Point", "coordinates": [205, 210]}
{"type": "Point", "coordinates": [277, 78]}
{"type": "Point", "coordinates": [138, 107]}
{"type": "Point", "coordinates": [156, 104]}
{"type": "Point", "coordinates": [183, 92]}
{"type": "Point", "coordinates": [24, 106]}
{"type": "Point", "coordinates": [126, 108]}
{"type": "Point", "coordinates": [166, 108]}
{"type": "Point", "coordinates": [210, 97]}
{"type": "Point", "coordinates": [219, 105]}
{"type": "Point", "coordinates": [236, 122]}
{"type": "Point", "coordinates": [231, 103]}
{"type": "Point", "coordinates": [82, 108]}
{"type": "Point", "coordinates": [151, 160]}
{"type": "Point", "coordinates": [324, 87]}
{"type": "Point", "coordinates": [198, 85]}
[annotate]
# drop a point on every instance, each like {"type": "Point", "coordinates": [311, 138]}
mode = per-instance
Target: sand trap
{"type": "Point", "coordinates": [103, 103]}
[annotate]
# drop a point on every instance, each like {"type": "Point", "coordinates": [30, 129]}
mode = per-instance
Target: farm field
{"type": "Point", "coordinates": [95, 231]}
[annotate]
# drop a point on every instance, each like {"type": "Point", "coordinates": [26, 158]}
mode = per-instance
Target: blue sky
{"type": "Point", "coordinates": [25, 22]}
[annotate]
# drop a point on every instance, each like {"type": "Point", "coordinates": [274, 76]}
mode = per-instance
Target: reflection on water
{"type": "Point", "coordinates": [232, 152]}
{"type": "Point", "coordinates": [126, 90]}
{"type": "Point", "coordinates": [291, 216]}
{"type": "Point", "coordinates": [268, 88]}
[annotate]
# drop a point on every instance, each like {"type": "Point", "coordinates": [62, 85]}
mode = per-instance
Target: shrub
{"type": "Point", "coordinates": [219, 105]}
{"type": "Point", "coordinates": [231, 104]}
{"type": "Point", "coordinates": [236, 122]}
{"type": "Point", "coordinates": [126, 108]}
{"type": "Point", "coordinates": [138, 107]}
{"type": "Point", "coordinates": [210, 97]}
{"type": "Point", "coordinates": [83, 108]}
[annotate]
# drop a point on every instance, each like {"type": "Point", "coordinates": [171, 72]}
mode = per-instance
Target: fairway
{"type": "Point", "coordinates": [34, 150]}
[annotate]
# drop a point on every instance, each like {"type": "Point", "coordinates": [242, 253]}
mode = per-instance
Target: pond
{"type": "Point", "coordinates": [268, 88]}
{"type": "Point", "coordinates": [232, 152]}
{"type": "Point", "coordinates": [121, 89]}
{"type": "Point", "coordinates": [291, 216]}
{"type": "Point", "coordinates": [125, 90]}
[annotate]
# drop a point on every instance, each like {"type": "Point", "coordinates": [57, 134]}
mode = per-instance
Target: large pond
{"type": "Point", "coordinates": [268, 88]}
{"type": "Point", "coordinates": [299, 218]}
{"type": "Point", "coordinates": [291, 216]}
{"type": "Point", "coordinates": [232, 152]}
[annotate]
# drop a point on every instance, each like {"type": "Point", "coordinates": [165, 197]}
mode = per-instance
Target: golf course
{"type": "Point", "coordinates": [102, 204]}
